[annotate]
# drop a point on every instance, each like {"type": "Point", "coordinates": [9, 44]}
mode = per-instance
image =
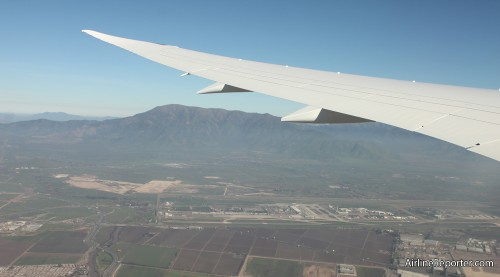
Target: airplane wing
{"type": "Point", "coordinates": [468, 117]}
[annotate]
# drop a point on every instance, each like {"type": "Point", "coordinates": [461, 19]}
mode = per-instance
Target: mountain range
{"type": "Point", "coordinates": [181, 129]}
{"type": "Point", "coordinates": [55, 116]}
{"type": "Point", "coordinates": [252, 148]}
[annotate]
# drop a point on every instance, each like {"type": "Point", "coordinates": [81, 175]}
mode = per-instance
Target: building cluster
{"type": "Point", "coordinates": [433, 213]}
{"type": "Point", "coordinates": [346, 270]}
{"type": "Point", "coordinates": [44, 270]}
{"type": "Point", "coordinates": [364, 213]}
{"type": "Point", "coordinates": [476, 246]}
{"type": "Point", "coordinates": [19, 226]}
{"type": "Point", "coordinates": [414, 247]}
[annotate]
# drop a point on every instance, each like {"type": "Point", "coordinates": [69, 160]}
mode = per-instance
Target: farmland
{"type": "Point", "coordinates": [61, 242]}
{"type": "Point", "coordinates": [224, 215]}
{"type": "Point", "coordinates": [133, 271]}
{"type": "Point", "coordinates": [148, 255]}
{"type": "Point", "coordinates": [223, 251]}
{"type": "Point", "coordinates": [47, 258]}
{"type": "Point", "coordinates": [11, 250]}
{"type": "Point", "coordinates": [259, 267]}
{"type": "Point", "coordinates": [57, 247]}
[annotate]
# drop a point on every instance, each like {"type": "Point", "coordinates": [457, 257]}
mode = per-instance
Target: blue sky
{"type": "Point", "coordinates": [48, 64]}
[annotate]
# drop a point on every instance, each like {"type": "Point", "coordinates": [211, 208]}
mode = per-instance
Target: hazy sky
{"type": "Point", "coordinates": [48, 64]}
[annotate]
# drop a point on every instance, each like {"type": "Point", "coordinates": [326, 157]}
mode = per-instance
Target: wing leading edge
{"type": "Point", "coordinates": [468, 117]}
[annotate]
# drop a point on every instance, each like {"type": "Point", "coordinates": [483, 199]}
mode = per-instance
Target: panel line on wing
{"type": "Point", "coordinates": [337, 83]}
{"type": "Point", "coordinates": [344, 89]}
{"type": "Point", "coordinates": [364, 98]}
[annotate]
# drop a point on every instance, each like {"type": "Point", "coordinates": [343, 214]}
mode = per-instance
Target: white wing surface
{"type": "Point", "coordinates": [468, 117]}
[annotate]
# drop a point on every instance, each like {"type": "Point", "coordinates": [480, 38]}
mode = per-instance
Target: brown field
{"type": "Point", "coordinates": [185, 259]}
{"type": "Point", "coordinates": [322, 256]}
{"type": "Point", "coordinates": [92, 182]}
{"type": "Point", "coordinates": [306, 254]}
{"type": "Point", "coordinates": [286, 237]}
{"type": "Point", "coordinates": [121, 187]}
{"type": "Point", "coordinates": [287, 251]}
{"type": "Point", "coordinates": [298, 232]}
{"type": "Point", "coordinates": [61, 242]}
{"type": "Point", "coordinates": [322, 245]}
{"type": "Point", "coordinates": [139, 235]}
{"type": "Point", "coordinates": [240, 243]}
{"type": "Point", "coordinates": [313, 243]}
{"type": "Point", "coordinates": [10, 250]}
{"type": "Point", "coordinates": [47, 258]}
{"type": "Point", "coordinates": [206, 262]}
{"type": "Point", "coordinates": [173, 238]}
{"type": "Point", "coordinates": [377, 242]}
{"type": "Point", "coordinates": [261, 233]}
{"type": "Point", "coordinates": [229, 264]}
{"type": "Point", "coordinates": [265, 248]}
{"type": "Point", "coordinates": [222, 251]}
{"type": "Point", "coordinates": [375, 258]}
{"type": "Point", "coordinates": [199, 241]}
{"type": "Point", "coordinates": [219, 240]}
{"type": "Point", "coordinates": [319, 271]}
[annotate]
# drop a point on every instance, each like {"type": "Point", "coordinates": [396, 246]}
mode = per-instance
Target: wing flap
{"type": "Point", "coordinates": [319, 115]}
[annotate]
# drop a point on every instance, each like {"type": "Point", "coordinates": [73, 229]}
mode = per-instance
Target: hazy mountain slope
{"type": "Point", "coordinates": [257, 149]}
{"type": "Point", "coordinates": [179, 128]}
{"type": "Point", "coordinates": [55, 116]}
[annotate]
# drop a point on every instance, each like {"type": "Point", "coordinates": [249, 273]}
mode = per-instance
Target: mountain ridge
{"type": "Point", "coordinates": [174, 127]}
{"type": "Point", "coordinates": [54, 116]}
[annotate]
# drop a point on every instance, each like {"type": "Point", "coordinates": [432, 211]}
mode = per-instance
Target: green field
{"type": "Point", "coordinates": [36, 203]}
{"type": "Point", "coordinates": [68, 213]}
{"type": "Point", "coordinates": [11, 187]}
{"type": "Point", "coordinates": [148, 255]}
{"type": "Point", "coordinates": [103, 260]}
{"type": "Point", "coordinates": [7, 196]}
{"type": "Point", "coordinates": [259, 267]}
{"type": "Point", "coordinates": [56, 227]}
{"type": "Point", "coordinates": [125, 215]}
{"type": "Point", "coordinates": [369, 272]}
{"type": "Point", "coordinates": [133, 271]}
{"type": "Point", "coordinates": [37, 259]}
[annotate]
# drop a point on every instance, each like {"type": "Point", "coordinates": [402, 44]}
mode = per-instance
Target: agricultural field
{"type": "Point", "coordinates": [132, 234]}
{"type": "Point", "coordinates": [147, 255]}
{"type": "Point", "coordinates": [11, 250]}
{"type": "Point", "coordinates": [259, 267]}
{"type": "Point", "coordinates": [134, 271]}
{"type": "Point", "coordinates": [70, 242]}
{"type": "Point", "coordinates": [68, 213]}
{"type": "Point", "coordinates": [103, 260]}
{"type": "Point", "coordinates": [36, 203]}
{"type": "Point", "coordinates": [126, 215]}
{"type": "Point", "coordinates": [47, 258]}
{"type": "Point", "coordinates": [7, 196]}
{"type": "Point", "coordinates": [369, 272]}
{"type": "Point", "coordinates": [185, 259]}
{"type": "Point", "coordinates": [222, 251]}
{"type": "Point", "coordinates": [174, 238]}
{"type": "Point", "coordinates": [321, 245]}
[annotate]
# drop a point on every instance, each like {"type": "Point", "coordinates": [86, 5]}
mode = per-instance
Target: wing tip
{"type": "Point", "coordinates": [90, 32]}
